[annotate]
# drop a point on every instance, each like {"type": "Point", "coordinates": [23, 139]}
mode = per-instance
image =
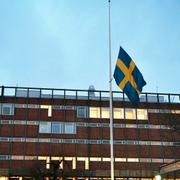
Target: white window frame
{"type": "Point", "coordinates": [81, 111]}
{"type": "Point", "coordinates": [105, 112]}
{"type": "Point", "coordinates": [69, 131]}
{"type": "Point", "coordinates": [48, 128]}
{"type": "Point", "coordinates": [120, 111]}
{"type": "Point", "coordinates": [145, 114]}
{"type": "Point", "coordinates": [60, 127]}
{"type": "Point", "coordinates": [7, 105]}
{"type": "Point", "coordinates": [133, 113]}
{"type": "Point", "coordinates": [96, 110]}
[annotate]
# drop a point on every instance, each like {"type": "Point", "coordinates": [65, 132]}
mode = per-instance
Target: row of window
{"type": "Point", "coordinates": [91, 112]}
{"type": "Point", "coordinates": [57, 127]}
{"type": "Point", "coordinates": [86, 159]}
{"type": "Point", "coordinates": [82, 111]}
{"type": "Point", "coordinates": [118, 113]}
{"type": "Point", "coordinates": [88, 141]}
{"type": "Point", "coordinates": [54, 127]}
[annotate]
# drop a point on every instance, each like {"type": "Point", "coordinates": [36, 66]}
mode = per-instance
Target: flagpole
{"type": "Point", "coordinates": [110, 99]}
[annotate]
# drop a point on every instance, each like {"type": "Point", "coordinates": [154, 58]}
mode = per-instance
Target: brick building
{"type": "Point", "coordinates": [64, 133]}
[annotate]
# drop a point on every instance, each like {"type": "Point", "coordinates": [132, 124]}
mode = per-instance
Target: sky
{"type": "Point", "coordinates": [65, 43]}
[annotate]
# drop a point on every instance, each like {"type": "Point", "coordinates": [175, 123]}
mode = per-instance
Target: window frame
{"type": "Point", "coordinates": [48, 128]}
{"type": "Point", "coordinates": [83, 110]}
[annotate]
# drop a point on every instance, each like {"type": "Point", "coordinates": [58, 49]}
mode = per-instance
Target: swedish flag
{"type": "Point", "coordinates": [128, 77]}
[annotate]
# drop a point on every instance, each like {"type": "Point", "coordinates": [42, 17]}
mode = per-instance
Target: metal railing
{"type": "Point", "coordinates": [34, 92]}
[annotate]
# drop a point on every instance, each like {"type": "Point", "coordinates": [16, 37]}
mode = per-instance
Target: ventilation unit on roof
{"type": "Point", "coordinates": [91, 91]}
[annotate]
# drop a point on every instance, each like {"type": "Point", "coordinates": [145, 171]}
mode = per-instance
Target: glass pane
{"type": "Point", "coordinates": [46, 93]}
{"type": "Point", "coordinates": [45, 127]}
{"type": "Point", "coordinates": [56, 127]}
{"type": "Point", "coordinates": [69, 128]}
{"type": "Point", "coordinates": [118, 113]}
{"type": "Point", "coordinates": [142, 114]}
{"type": "Point", "coordinates": [81, 111]}
{"type": "Point", "coordinates": [130, 113]}
{"type": "Point", "coordinates": [7, 109]}
{"type": "Point", "coordinates": [105, 112]}
{"type": "Point", "coordinates": [94, 112]}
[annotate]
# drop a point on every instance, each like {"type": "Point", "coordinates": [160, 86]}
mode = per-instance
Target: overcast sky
{"type": "Point", "coordinates": [64, 43]}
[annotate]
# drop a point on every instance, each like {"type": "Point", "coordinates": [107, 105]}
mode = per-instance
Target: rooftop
{"type": "Point", "coordinates": [34, 92]}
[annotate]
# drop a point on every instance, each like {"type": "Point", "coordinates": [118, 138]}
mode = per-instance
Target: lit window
{"type": "Point", "coordinates": [68, 158]}
{"type": "Point", "coordinates": [56, 127]}
{"type": "Point", "coordinates": [42, 157]}
{"type": "Point", "coordinates": [175, 111]}
{"type": "Point", "coordinates": [81, 112]}
{"type": "Point", "coordinates": [15, 157]}
{"type": "Point", "coordinates": [7, 109]}
{"type": "Point", "coordinates": [3, 178]}
{"type": "Point", "coordinates": [30, 157]}
{"type": "Point", "coordinates": [55, 158]}
{"type": "Point", "coordinates": [69, 128]}
{"type": "Point", "coordinates": [86, 163]}
{"type": "Point", "coordinates": [95, 159]}
{"type": "Point", "coordinates": [106, 159]}
{"type": "Point", "coordinates": [45, 127]}
{"type": "Point", "coordinates": [47, 107]}
{"type": "Point", "coordinates": [94, 112]}
{"type": "Point", "coordinates": [131, 125]}
{"type": "Point", "coordinates": [118, 113]}
{"type": "Point", "coordinates": [120, 159]}
{"type": "Point", "coordinates": [142, 114]}
{"type": "Point", "coordinates": [73, 163]}
{"type": "Point", "coordinates": [133, 159]}
{"type": "Point", "coordinates": [130, 113]}
{"type": "Point", "coordinates": [158, 177]}
{"type": "Point", "coordinates": [105, 112]}
{"type": "Point", "coordinates": [156, 143]}
{"type": "Point", "coordinates": [81, 158]}
{"type": "Point", "coordinates": [48, 163]}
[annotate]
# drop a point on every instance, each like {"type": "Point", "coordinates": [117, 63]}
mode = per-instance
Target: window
{"type": "Point", "coordinates": [130, 113]}
{"type": "Point", "coordinates": [133, 159]}
{"type": "Point", "coordinates": [142, 114]}
{"type": "Point", "coordinates": [120, 159]}
{"type": "Point", "coordinates": [69, 128]}
{"type": "Point", "coordinates": [81, 112]}
{"type": "Point", "coordinates": [4, 157]}
{"type": "Point", "coordinates": [7, 109]}
{"type": "Point", "coordinates": [48, 107]}
{"type": "Point", "coordinates": [106, 159]}
{"type": "Point", "coordinates": [105, 112]}
{"type": "Point", "coordinates": [56, 127]}
{"type": "Point", "coordinates": [118, 113]}
{"type": "Point", "coordinates": [175, 111]}
{"type": "Point", "coordinates": [6, 121]}
{"type": "Point", "coordinates": [30, 157]}
{"type": "Point", "coordinates": [94, 112]}
{"type": "Point", "coordinates": [45, 127]}
{"type": "Point", "coordinates": [15, 157]}
{"type": "Point", "coordinates": [95, 159]}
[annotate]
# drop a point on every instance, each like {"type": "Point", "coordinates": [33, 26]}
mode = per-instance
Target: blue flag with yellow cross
{"type": "Point", "coordinates": [128, 77]}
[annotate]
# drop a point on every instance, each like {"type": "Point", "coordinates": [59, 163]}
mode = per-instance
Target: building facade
{"type": "Point", "coordinates": [64, 133]}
